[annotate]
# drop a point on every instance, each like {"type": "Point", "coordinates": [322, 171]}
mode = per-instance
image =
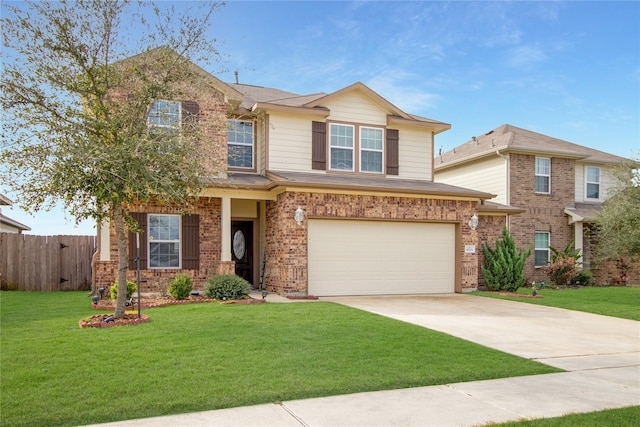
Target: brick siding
{"type": "Point", "coordinates": [154, 280]}
{"type": "Point", "coordinates": [544, 212]}
{"type": "Point", "coordinates": [286, 242]}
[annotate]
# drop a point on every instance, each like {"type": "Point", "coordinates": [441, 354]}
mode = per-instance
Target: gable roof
{"type": "Point", "coordinates": [508, 138]}
{"type": "Point", "coordinates": [161, 53]}
{"type": "Point", "coordinates": [259, 97]}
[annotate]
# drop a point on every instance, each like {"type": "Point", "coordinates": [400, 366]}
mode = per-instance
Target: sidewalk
{"type": "Point", "coordinates": [462, 404]}
{"type": "Point", "coordinates": [597, 379]}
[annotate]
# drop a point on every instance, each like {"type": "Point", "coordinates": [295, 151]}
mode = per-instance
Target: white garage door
{"type": "Point", "coordinates": [349, 257]}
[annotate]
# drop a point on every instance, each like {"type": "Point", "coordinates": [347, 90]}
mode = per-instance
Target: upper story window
{"type": "Point", "coordinates": [240, 143]}
{"type": "Point", "coordinates": [341, 142]}
{"type": "Point", "coordinates": [371, 152]}
{"type": "Point", "coordinates": [165, 114]}
{"type": "Point", "coordinates": [592, 174]}
{"type": "Point", "coordinates": [541, 251]}
{"type": "Point", "coordinates": [164, 241]}
{"type": "Point", "coordinates": [543, 175]}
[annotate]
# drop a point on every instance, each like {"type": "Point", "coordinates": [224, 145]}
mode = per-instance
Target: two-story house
{"type": "Point", "coordinates": [559, 185]}
{"type": "Point", "coordinates": [321, 194]}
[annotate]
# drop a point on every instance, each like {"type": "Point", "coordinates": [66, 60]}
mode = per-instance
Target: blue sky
{"type": "Point", "coordinates": [570, 70]}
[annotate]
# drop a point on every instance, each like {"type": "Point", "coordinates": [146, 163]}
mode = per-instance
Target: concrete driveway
{"type": "Point", "coordinates": [566, 339]}
{"type": "Point", "coordinates": [602, 352]}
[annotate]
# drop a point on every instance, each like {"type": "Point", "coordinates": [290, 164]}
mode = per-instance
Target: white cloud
{"type": "Point", "coordinates": [398, 87]}
{"type": "Point", "coordinates": [525, 55]}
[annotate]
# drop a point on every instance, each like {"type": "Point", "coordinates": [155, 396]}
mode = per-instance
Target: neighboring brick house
{"type": "Point", "coordinates": [321, 194]}
{"type": "Point", "coordinates": [559, 185]}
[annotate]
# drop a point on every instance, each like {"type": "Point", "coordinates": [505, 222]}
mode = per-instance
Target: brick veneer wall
{"type": "Point", "coordinates": [286, 242]}
{"type": "Point", "coordinates": [544, 212]}
{"type": "Point", "coordinates": [208, 210]}
{"type": "Point", "coordinates": [212, 124]}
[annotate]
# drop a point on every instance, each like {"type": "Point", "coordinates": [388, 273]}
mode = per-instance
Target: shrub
{"type": "Point", "coordinates": [504, 266]}
{"type": "Point", "coordinates": [582, 278]}
{"type": "Point", "coordinates": [564, 265]}
{"type": "Point", "coordinates": [131, 288]}
{"type": "Point", "coordinates": [561, 271]}
{"type": "Point", "coordinates": [227, 286]}
{"type": "Point", "coordinates": [180, 286]}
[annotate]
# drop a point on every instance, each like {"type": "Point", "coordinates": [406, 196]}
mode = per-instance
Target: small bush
{"type": "Point", "coordinates": [564, 265]}
{"type": "Point", "coordinates": [226, 286]}
{"type": "Point", "coordinates": [131, 288]}
{"type": "Point", "coordinates": [180, 286]}
{"type": "Point", "coordinates": [582, 278]}
{"type": "Point", "coordinates": [561, 271]}
{"type": "Point", "coordinates": [504, 266]}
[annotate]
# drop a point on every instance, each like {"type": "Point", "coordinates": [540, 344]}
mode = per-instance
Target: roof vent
{"type": "Point", "coordinates": [235, 73]}
{"type": "Point", "coordinates": [474, 139]}
{"type": "Point", "coordinates": [492, 142]}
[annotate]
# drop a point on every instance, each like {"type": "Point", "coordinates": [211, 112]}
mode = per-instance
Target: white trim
{"type": "Point", "coordinates": [381, 150]}
{"type": "Point", "coordinates": [535, 248]}
{"type": "Point", "coordinates": [352, 148]}
{"type": "Point", "coordinates": [536, 174]}
{"type": "Point", "coordinates": [586, 183]}
{"type": "Point", "coordinates": [151, 124]}
{"type": "Point", "coordinates": [150, 240]}
{"type": "Point", "coordinates": [243, 144]}
{"type": "Point", "coordinates": [225, 232]}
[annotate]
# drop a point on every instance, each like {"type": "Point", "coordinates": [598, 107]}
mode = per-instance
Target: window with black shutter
{"type": "Point", "coordinates": [164, 245]}
{"type": "Point", "coordinates": [392, 166]}
{"type": "Point", "coordinates": [318, 145]}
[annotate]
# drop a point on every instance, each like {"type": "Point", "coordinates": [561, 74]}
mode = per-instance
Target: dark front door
{"type": "Point", "coordinates": [242, 248]}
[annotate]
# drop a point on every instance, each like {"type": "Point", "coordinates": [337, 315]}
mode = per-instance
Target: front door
{"type": "Point", "coordinates": [242, 248]}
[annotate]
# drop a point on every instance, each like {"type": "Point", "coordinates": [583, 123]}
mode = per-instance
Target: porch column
{"type": "Point", "coordinates": [579, 239]}
{"type": "Point", "coordinates": [225, 253]}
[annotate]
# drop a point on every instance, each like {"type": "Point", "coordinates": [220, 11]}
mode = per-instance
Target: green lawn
{"type": "Point", "coordinates": [623, 417]}
{"type": "Point", "coordinates": [209, 356]}
{"type": "Point", "coordinates": [610, 301]}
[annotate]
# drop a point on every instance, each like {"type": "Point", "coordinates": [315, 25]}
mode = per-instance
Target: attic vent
{"type": "Point", "coordinates": [489, 133]}
{"type": "Point", "coordinates": [474, 139]}
{"type": "Point", "coordinates": [235, 73]}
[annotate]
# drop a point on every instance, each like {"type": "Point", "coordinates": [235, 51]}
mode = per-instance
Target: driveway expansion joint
{"type": "Point", "coordinates": [290, 412]}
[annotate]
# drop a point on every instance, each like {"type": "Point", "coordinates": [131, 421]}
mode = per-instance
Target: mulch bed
{"type": "Point", "coordinates": [152, 302]}
{"type": "Point", "coordinates": [107, 320]}
{"type": "Point", "coordinates": [517, 295]}
{"type": "Point", "coordinates": [294, 297]}
{"type": "Point", "coordinates": [98, 320]}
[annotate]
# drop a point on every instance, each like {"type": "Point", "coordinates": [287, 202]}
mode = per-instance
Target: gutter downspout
{"type": "Point", "coordinates": [506, 158]}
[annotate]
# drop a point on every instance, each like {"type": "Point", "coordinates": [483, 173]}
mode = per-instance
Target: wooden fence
{"type": "Point", "coordinates": [45, 263]}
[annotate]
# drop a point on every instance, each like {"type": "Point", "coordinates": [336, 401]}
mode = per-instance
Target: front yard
{"type": "Point", "coordinates": [623, 302]}
{"type": "Point", "coordinates": [209, 356]}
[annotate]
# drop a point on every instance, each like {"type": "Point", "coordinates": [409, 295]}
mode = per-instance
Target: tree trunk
{"type": "Point", "coordinates": [123, 260]}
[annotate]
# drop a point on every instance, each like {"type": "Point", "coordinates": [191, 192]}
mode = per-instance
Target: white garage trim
{"type": "Point", "coordinates": [355, 257]}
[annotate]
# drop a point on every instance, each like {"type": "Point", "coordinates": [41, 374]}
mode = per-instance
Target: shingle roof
{"type": "Point", "coordinates": [253, 94]}
{"type": "Point", "coordinates": [511, 138]}
{"type": "Point", "coordinates": [373, 183]}
{"type": "Point", "coordinates": [583, 212]}
{"type": "Point", "coordinates": [259, 94]}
